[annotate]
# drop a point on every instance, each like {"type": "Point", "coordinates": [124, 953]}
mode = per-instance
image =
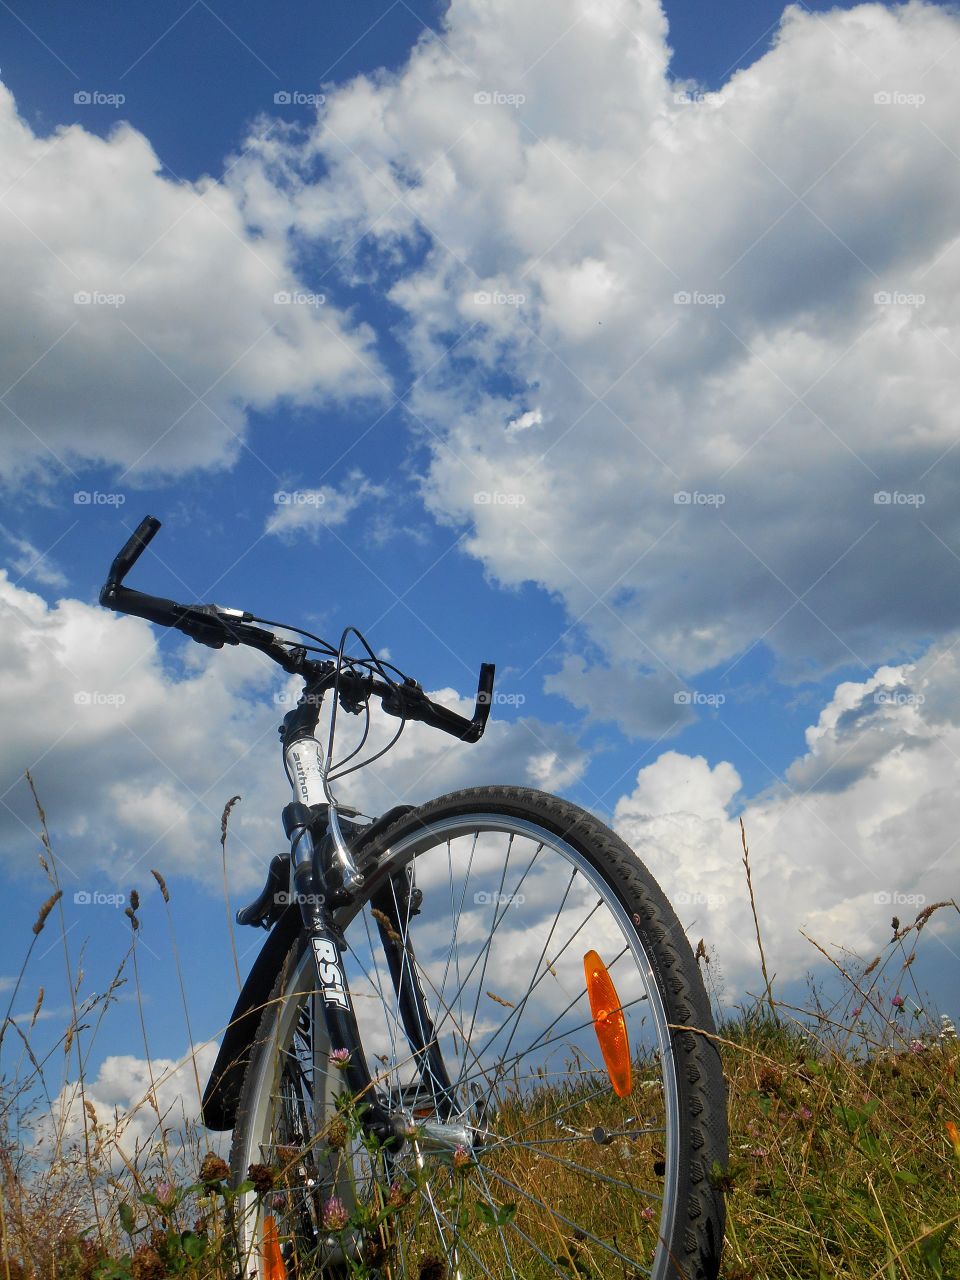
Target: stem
{"type": "Point", "coordinates": [756, 923]}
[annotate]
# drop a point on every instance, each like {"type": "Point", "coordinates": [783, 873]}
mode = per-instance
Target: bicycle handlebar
{"type": "Point", "coordinates": [214, 626]}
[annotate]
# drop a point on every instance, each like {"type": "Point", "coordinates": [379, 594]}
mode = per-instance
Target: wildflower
{"type": "Point", "coordinates": [947, 1030]}
{"type": "Point", "coordinates": [397, 1197]}
{"type": "Point", "coordinates": [953, 1133]}
{"type": "Point", "coordinates": [461, 1156]}
{"type": "Point", "coordinates": [759, 1152]}
{"type": "Point", "coordinates": [213, 1169]}
{"type": "Point", "coordinates": [646, 1212]}
{"type": "Point", "coordinates": [917, 1046]}
{"type": "Point", "coordinates": [804, 1114]}
{"type": "Point", "coordinates": [335, 1216]}
{"type": "Point", "coordinates": [855, 1013]}
{"type": "Point", "coordinates": [897, 1002]}
{"type": "Point", "coordinates": [262, 1177]}
{"type": "Point", "coordinates": [339, 1058]}
{"type": "Point", "coordinates": [166, 1194]}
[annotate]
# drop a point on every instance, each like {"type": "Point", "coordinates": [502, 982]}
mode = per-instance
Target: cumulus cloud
{"type": "Point", "coordinates": [310, 510]}
{"type": "Point", "coordinates": [139, 1108]}
{"type": "Point", "coordinates": [862, 826]}
{"type": "Point", "coordinates": [149, 319]}
{"type": "Point", "coordinates": [134, 753]}
{"type": "Point", "coordinates": [736, 315]}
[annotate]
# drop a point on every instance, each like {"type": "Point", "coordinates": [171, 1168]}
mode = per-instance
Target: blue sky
{"type": "Point", "coordinates": [700, 226]}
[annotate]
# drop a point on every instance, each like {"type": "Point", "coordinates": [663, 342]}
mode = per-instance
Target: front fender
{"type": "Point", "coordinates": [222, 1094]}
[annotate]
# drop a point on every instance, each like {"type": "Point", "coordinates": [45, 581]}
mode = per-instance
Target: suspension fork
{"type": "Point", "coordinates": [325, 877]}
{"type": "Point", "coordinates": [321, 880]}
{"type": "Point", "coordinates": [316, 899]}
{"type": "Point", "coordinates": [394, 904]}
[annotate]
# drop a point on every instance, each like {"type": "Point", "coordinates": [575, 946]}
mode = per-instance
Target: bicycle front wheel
{"type": "Point", "coordinates": [562, 1100]}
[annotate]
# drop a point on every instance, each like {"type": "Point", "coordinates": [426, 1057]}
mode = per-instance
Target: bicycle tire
{"type": "Point", "coordinates": [688, 1244]}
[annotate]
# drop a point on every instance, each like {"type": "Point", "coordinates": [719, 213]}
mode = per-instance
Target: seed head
{"type": "Point", "coordinates": [45, 910]}
{"type": "Point", "coordinates": [338, 1133]}
{"type": "Point", "coordinates": [262, 1177]}
{"type": "Point", "coordinates": [213, 1169]}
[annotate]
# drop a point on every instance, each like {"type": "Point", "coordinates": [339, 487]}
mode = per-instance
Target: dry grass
{"type": "Point", "coordinates": [845, 1143]}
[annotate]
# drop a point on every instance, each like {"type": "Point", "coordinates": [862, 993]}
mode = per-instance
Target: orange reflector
{"type": "Point", "coordinates": [608, 1023]}
{"type": "Point", "coordinates": [270, 1255]}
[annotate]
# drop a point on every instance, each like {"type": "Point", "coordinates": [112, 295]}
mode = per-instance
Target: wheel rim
{"type": "Point", "coordinates": [503, 1030]}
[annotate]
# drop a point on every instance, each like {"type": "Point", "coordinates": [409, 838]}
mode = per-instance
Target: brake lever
{"type": "Point", "coordinates": [402, 699]}
{"type": "Point", "coordinates": [214, 633]}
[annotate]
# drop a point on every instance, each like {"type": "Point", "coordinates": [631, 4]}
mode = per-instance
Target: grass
{"type": "Point", "coordinates": [844, 1142]}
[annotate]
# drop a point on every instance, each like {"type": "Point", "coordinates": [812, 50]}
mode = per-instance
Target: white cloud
{"type": "Point", "coordinates": [862, 827]}
{"type": "Point", "coordinates": [146, 1111]}
{"type": "Point", "coordinates": [29, 562]}
{"type": "Point", "coordinates": [145, 324]}
{"type": "Point", "coordinates": [532, 418]}
{"type": "Point", "coordinates": [688, 290]}
{"type": "Point", "coordinates": [310, 510]}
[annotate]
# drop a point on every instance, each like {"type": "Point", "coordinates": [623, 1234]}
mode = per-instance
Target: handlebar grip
{"type": "Point", "coordinates": [438, 717]}
{"type": "Point", "coordinates": [128, 556]}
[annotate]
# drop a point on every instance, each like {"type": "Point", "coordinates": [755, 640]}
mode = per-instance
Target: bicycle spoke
{"type": "Point", "coordinates": [574, 1226]}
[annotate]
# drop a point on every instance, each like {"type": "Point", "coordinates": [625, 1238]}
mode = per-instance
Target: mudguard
{"type": "Point", "coordinates": [222, 1093]}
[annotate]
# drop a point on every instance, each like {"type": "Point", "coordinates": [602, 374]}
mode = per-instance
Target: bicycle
{"type": "Point", "coordinates": [476, 1041]}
